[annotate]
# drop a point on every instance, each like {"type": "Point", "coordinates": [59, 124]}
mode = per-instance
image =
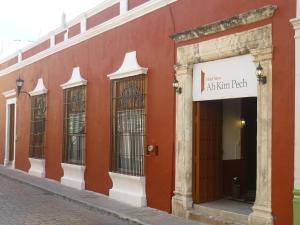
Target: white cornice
{"type": "Point", "coordinates": [10, 93]}
{"type": "Point", "coordinates": [39, 88]}
{"type": "Point", "coordinates": [75, 80]}
{"type": "Point", "coordinates": [130, 67]}
{"type": "Point", "coordinates": [137, 12]}
{"type": "Point", "coordinates": [296, 23]}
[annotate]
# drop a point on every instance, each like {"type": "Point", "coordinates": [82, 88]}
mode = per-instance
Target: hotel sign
{"type": "Point", "coordinates": [226, 78]}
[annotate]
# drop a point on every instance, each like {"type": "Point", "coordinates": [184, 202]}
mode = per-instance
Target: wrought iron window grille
{"type": "Point", "coordinates": [128, 125]}
{"type": "Point", "coordinates": [74, 125]}
{"type": "Point", "coordinates": [38, 123]}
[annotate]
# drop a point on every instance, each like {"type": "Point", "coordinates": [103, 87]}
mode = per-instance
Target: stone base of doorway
{"type": "Point", "coordinates": [221, 212]}
{"type": "Point", "coordinates": [128, 189]}
{"type": "Point", "coordinates": [296, 207]}
{"type": "Point", "coordinates": [37, 167]}
{"type": "Point", "coordinates": [9, 164]}
{"type": "Point", "coordinates": [73, 176]}
{"type": "Point", "coordinates": [261, 216]}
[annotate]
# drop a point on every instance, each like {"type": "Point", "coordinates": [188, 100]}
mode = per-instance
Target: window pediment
{"type": "Point", "coordinates": [39, 88]}
{"type": "Point", "coordinates": [130, 67]}
{"type": "Point", "coordinates": [75, 80]}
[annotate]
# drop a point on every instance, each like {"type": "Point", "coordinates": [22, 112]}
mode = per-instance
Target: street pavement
{"type": "Point", "coordinates": [22, 204]}
{"type": "Point", "coordinates": [59, 196]}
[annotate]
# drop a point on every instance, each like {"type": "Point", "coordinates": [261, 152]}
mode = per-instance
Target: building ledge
{"type": "Point", "coordinates": [128, 189]}
{"type": "Point", "coordinates": [73, 176]}
{"type": "Point", "coordinates": [37, 167]}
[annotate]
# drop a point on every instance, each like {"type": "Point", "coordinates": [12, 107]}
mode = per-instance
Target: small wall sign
{"type": "Point", "coordinates": [225, 78]}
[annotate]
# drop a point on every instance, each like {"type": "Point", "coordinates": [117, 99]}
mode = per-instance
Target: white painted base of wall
{"type": "Point", "coordinates": [9, 164]}
{"type": "Point", "coordinates": [128, 189]}
{"type": "Point", "coordinates": [6, 162]}
{"type": "Point", "coordinates": [37, 167]}
{"type": "Point", "coordinates": [73, 176]}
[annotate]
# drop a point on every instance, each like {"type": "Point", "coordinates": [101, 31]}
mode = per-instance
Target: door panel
{"type": "Point", "coordinates": [207, 151]}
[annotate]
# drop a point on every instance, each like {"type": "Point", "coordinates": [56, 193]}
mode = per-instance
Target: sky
{"type": "Point", "coordinates": [24, 21]}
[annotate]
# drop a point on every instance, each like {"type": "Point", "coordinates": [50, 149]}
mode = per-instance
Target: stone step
{"type": "Point", "coordinates": [213, 216]}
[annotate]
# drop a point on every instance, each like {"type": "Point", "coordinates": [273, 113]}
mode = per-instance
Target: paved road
{"type": "Point", "coordinates": [22, 204]}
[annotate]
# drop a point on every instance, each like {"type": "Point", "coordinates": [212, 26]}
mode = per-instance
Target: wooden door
{"type": "Point", "coordinates": [11, 132]}
{"type": "Point", "coordinates": [207, 151]}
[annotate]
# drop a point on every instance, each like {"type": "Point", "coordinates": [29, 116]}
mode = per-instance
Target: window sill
{"type": "Point", "coordinates": [128, 189]}
{"type": "Point", "coordinates": [37, 167]}
{"type": "Point", "coordinates": [73, 176]}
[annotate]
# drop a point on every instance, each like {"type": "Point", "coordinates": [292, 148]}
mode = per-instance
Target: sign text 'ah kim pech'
{"type": "Point", "coordinates": [220, 80]}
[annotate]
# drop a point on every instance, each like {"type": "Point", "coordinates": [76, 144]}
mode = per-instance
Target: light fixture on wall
{"type": "Point", "coordinates": [242, 123]}
{"type": "Point", "coordinates": [261, 78]}
{"type": "Point", "coordinates": [19, 85]}
{"type": "Point", "coordinates": [176, 86]}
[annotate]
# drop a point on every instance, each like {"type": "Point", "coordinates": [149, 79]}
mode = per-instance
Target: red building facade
{"type": "Point", "coordinates": [154, 35]}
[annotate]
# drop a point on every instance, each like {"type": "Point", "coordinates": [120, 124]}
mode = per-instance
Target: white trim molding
{"type": "Point", "coordinates": [128, 189]}
{"type": "Point", "coordinates": [130, 67]}
{"type": "Point", "coordinates": [123, 6]}
{"type": "Point", "coordinates": [75, 80]}
{"type": "Point", "coordinates": [37, 167]}
{"type": "Point", "coordinates": [296, 25]}
{"type": "Point", "coordinates": [298, 8]}
{"type": "Point", "coordinates": [11, 164]}
{"type": "Point", "coordinates": [39, 88]}
{"type": "Point", "coordinates": [73, 176]}
{"type": "Point", "coordinates": [10, 93]}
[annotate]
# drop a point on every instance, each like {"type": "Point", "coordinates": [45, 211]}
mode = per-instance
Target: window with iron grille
{"type": "Point", "coordinates": [38, 121]}
{"type": "Point", "coordinates": [74, 125]}
{"type": "Point", "coordinates": [128, 125]}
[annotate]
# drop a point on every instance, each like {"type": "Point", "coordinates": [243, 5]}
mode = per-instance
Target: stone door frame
{"type": "Point", "coordinates": [258, 43]}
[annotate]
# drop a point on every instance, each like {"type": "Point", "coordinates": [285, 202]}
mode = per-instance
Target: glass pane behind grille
{"type": "Point", "coordinates": [128, 108]}
{"type": "Point", "coordinates": [38, 120]}
{"type": "Point", "coordinates": [74, 126]}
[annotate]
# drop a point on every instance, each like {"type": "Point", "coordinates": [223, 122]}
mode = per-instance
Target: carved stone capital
{"type": "Point", "coordinates": [186, 69]}
{"type": "Point", "coordinates": [262, 54]}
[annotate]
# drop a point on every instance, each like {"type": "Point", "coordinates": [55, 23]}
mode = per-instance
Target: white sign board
{"type": "Point", "coordinates": [225, 78]}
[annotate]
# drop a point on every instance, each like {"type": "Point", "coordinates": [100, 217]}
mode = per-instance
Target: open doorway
{"type": "Point", "coordinates": [224, 150]}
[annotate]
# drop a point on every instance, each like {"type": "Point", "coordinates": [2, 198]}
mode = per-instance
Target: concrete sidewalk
{"type": "Point", "coordinates": [144, 216]}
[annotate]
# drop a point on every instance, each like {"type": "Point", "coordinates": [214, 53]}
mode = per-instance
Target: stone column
{"type": "Point", "coordinates": [296, 25]}
{"type": "Point", "coordinates": [182, 200]}
{"type": "Point", "coordinates": [262, 209]}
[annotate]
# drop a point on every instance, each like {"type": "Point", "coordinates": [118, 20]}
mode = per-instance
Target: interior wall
{"type": "Point", "coordinates": [231, 129]}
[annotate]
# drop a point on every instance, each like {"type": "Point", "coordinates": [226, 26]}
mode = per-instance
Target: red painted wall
{"type": "Point", "coordinates": [103, 16]}
{"type": "Point", "coordinates": [96, 58]}
{"type": "Point", "coordinates": [36, 49]}
{"type": "Point", "coordinates": [149, 36]}
{"type": "Point", "coordinates": [134, 3]}
{"type": "Point", "coordinates": [74, 30]}
{"type": "Point", "coordinates": [60, 37]}
{"type": "Point", "coordinates": [9, 63]}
